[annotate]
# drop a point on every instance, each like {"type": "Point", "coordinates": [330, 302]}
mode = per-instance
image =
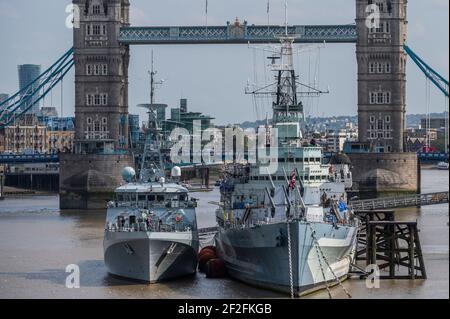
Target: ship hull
{"type": "Point", "coordinates": [150, 256]}
{"type": "Point", "coordinates": [260, 256]}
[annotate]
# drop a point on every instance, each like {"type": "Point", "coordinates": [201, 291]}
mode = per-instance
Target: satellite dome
{"type": "Point", "coordinates": [128, 174]}
{"type": "Point", "coordinates": [176, 172]}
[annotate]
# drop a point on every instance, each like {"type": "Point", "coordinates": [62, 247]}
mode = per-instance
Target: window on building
{"type": "Point", "coordinates": [104, 31]}
{"type": "Point", "coordinates": [372, 67]}
{"type": "Point", "coordinates": [380, 135]}
{"type": "Point", "coordinates": [380, 125]}
{"type": "Point", "coordinates": [388, 67]}
{"type": "Point", "coordinates": [97, 99]}
{"type": "Point", "coordinates": [97, 69]}
{"type": "Point", "coordinates": [96, 9]}
{"type": "Point", "coordinates": [89, 120]}
{"type": "Point", "coordinates": [88, 29]}
{"type": "Point", "coordinates": [387, 98]}
{"type": "Point", "coordinates": [380, 98]}
{"type": "Point", "coordinates": [388, 119]}
{"type": "Point", "coordinates": [104, 99]}
{"type": "Point", "coordinates": [379, 67]}
{"type": "Point", "coordinates": [380, 28]}
{"type": "Point", "coordinates": [373, 98]}
{"type": "Point", "coordinates": [89, 69]}
{"type": "Point", "coordinates": [89, 100]}
{"type": "Point", "coordinates": [96, 29]}
{"type": "Point", "coordinates": [105, 69]}
{"type": "Point", "coordinates": [104, 121]}
{"type": "Point", "coordinates": [97, 126]}
{"type": "Point", "coordinates": [372, 119]}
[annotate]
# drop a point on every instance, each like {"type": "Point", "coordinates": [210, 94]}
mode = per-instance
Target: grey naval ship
{"type": "Point", "coordinates": [151, 227]}
{"type": "Point", "coordinates": [289, 230]}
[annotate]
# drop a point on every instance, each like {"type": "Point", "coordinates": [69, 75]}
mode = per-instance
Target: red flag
{"type": "Point", "coordinates": [292, 181]}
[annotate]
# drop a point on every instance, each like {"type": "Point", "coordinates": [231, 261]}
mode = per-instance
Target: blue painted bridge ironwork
{"type": "Point", "coordinates": [237, 33]}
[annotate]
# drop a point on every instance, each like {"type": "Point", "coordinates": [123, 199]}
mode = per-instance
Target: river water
{"type": "Point", "coordinates": [37, 242]}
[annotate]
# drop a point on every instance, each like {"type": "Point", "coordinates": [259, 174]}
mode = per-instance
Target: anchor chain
{"type": "Point", "coordinates": [323, 273]}
{"type": "Point", "coordinates": [313, 234]}
{"type": "Point", "coordinates": [291, 279]}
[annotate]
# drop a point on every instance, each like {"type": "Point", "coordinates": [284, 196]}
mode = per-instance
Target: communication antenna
{"type": "Point", "coordinates": [153, 82]}
{"type": "Point", "coordinates": [286, 16]}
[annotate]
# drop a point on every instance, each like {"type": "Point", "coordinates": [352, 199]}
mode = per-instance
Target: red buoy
{"type": "Point", "coordinates": [215, 268]}
{"type": "Point", "coordinates": [204, 258]}
{"type": "Point", "coordinates": [210, 249]}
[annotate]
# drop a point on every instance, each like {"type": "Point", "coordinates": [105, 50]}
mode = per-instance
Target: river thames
{"type": "Point", "coordinates": [37, 242]}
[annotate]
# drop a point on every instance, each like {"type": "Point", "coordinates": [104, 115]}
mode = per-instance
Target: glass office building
{"type": "Point", "coordinates": [27, 74]}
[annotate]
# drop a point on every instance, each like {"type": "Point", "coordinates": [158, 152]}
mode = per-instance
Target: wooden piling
{"type": "Point", "coordinates": [385, 250]}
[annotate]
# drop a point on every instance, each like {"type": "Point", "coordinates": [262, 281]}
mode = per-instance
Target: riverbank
{"type": "Point", "coordinates": [14, 192]}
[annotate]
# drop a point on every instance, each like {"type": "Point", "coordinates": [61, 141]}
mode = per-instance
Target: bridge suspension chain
{"type": "Point", "coordinates": [22, 101]}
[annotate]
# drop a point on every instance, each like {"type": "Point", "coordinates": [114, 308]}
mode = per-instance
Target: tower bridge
{"type": "Point", "coordinates": [101, 55]}
{"type": "Point", "coordinates": [236, 33]}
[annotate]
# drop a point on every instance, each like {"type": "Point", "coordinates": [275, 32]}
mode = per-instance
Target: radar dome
{"type": "Point", "coordinates": [176, 172]}
{"type": "Point", "coordinates": [128, 174]}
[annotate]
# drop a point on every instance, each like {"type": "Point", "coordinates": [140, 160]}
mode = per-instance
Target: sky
{"type": "Point", "coordinates": [213, 77]}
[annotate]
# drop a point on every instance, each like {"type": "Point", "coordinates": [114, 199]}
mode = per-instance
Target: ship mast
{"type": "Point", "coordinates": [288, 113]}
{"type": "Point", "coordinates": [152, 167]}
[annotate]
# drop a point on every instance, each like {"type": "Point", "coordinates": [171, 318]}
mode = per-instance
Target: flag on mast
{"type": "Point", "coordinates": [292, 180]}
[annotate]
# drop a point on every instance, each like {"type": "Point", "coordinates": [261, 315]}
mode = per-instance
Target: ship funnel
{"type": "Point", "coordinates": [128, 174]}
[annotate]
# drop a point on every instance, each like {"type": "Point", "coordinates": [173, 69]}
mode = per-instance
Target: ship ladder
{"type": "Point", "coordinates": [316, 242]}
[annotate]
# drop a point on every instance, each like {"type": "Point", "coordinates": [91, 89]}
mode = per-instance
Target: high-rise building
{"type": "Point", "coordinates": [183, 105]}
{"type": "Point", "coordinates": [382, 73]}
{"type": "Point", "coordinates": [27, 74]}
{"type": "Point", "coordinates": [134, 129]}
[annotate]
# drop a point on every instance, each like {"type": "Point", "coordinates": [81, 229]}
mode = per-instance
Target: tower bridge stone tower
{"type": "Point", "coordinates": [382, 100]}
{"type": "Point", "coordinates": [88, 177]}
{"type": "Point", "coordinates": [382, 73]}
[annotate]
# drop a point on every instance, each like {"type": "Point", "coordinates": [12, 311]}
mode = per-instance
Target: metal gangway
{"type": "Point", "coordinates": [400, 202]}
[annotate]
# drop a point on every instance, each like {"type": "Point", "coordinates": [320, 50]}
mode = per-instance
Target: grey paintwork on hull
{"type": "Point", "coordinates": [150, 257]}
{"type": "Point", "coordinates": [259, 255]}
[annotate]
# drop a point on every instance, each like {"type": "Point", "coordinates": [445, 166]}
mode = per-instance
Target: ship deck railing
{"type": "Point", "coordinates": [163, 228]}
